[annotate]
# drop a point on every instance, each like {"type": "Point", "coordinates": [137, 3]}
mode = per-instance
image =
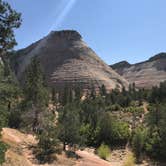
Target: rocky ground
{"type": "Point", "coordinates": [20, 153]}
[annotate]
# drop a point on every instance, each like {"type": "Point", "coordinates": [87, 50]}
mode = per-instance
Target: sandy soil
{"type": "Point", "coordinates": [19, 153]}
{"type": "Point", "coordinates": [90, 159]}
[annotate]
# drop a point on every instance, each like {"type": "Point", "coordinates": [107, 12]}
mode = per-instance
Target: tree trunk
{"type": "Point", "coordinates": [9, 105]}
{"type": "Point", "coordinates": [35, 122]}
{"type": "Point", "coordinates": [64, 146]}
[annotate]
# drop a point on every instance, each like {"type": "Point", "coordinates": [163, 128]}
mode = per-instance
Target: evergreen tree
{"type": "Point", "coordinates": [9, 89]}
{"type": "Point", "coordinates": [47, 137]}
{"type": "Point", "coordinates": [93, 93]}
{"type": "Point", "coordinates": [69, 125]}
{"type": "Point", "coordinates": [35, 91]}
{"type": "Point", "coordinates": [103, 90]}
{"type": "Point", "coordinates": [138, 142]}
{"type": "Point", "coordinates": [9, 20]}
{"type": "Point", "coordinates": [66, 95]}
{"type": "Point", "coordinates": [78, 92]}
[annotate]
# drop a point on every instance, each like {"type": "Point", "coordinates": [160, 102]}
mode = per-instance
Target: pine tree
{"type": "Point", "coordinates": [93, 93]}
{"type": "Point", "coordinates": [35, 90]}
{"type": "Point", "coordinates": [9, 20]}
{"type": "Point", "coordinates": [69, 125]}
{"type": "Point", "coordinates": [103, 90]}
{"type": "Point", "coordinates": [78, 92]}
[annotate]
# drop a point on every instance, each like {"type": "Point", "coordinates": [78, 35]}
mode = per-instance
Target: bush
{"type": "Point", "coordinates": [121, 133]}
{"type": "Point", "coordinates": [130, 160]}
{"type": "Point", "coordinates": [3, 149]}
{"type": "Point", "coordinates": [3, 117]}
{"type": "Point", "coordinates": [103, 151]}
{"type": "Point", "coordinates": [138, 142]}
{"type": "Point", "coordinates": [112, 131]}
{"type": "Point", "coordinates": [114, 107]}
{"type": "Point", "coordinates": [132, 109]}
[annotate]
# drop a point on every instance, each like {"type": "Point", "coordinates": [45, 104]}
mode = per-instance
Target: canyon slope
{"type": "Point", "coordinates": [67, 60]}
{"type": "Point", "coordinates": [145, 74]}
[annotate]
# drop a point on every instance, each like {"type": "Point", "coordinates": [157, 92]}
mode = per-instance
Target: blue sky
{"type": "Point", "coordinates": [116, 30]}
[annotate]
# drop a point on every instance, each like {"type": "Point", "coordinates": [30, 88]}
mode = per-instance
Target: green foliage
{"type": "Point", "coordinates": [138, 142]}
{"type": "Point", "coordinates": [112, 131]}
{"type": "Point", "coordinates": [36, 94]}
{"type": "Point", "coordinates": [104, 151]}
{"type": "Point", "coordinates": [78, 92]}
{"type": "Point", "coordinates": [3, 117]}
{"type": "Point", "coordinates": [9, 20]}
{"type": "Point", "coordinates": [103, 90]}
{"type": "Point", "coordinates": [3, 149]}
{"type": "Point", "coordinates": [158, 94]}
{"type": "Point", "coordinates": [47, 144]}
{"type": "Point", "coordinates": [156, 144]}
{"type": "Point", "coordinates": [66, 96]}
{"type": "Point", "coordinates": [153, 146]}
{"type": "Point", "coordinates": [47, 137]}
{"type": "Point", "coordinates": [35, 90]}
{"type": "Point", "coordinates": [121, 132]}
{"type": "Point", "coordinates": [9, 90]}
{"type": "Point", "coordinates": [136, 110]}
{"type": "Point", "coordinates": [69, 125]}
{"type": "Point", "coordinates": [114, 107]}
{"type": "Point", "coordinates": [90, 114]}
{"type": "Point", "coordinates": [9, 94]}
{"type": "Point", "coordinates": [116, 97]}
{"type": "Point", "coordinates": [89, 135]}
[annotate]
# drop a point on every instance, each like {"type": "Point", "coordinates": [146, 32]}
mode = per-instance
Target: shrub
{"type": "Point", "coordinates": [114, 107]}
{"type": "Point", "coordinates": [130, 160]}
{"type": "Point", "coordinates": [3, 117]}
{"type": "Point", "coordinates": [121, 133]}
{"type": "Point", "coordinates": [138, 142]}
{"type": "Point", "coordinates": [112, 131]}
{"type": "Point", "coordinates": [3, 149]}
{"type": "Point", "coordinates": [103, 151]}
{"type": "Point", "coordinates": [136, 110]}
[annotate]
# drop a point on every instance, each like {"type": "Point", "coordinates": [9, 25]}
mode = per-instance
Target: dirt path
{"type": "Point", "coordinates": [145, 105]}
{"type": "Point", "coordinates": [19, 153]}
{"type": "Point", "coordinates": [90, 159]}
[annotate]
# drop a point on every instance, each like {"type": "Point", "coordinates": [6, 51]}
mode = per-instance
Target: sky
{"type": "Point", "coordinates": [131, 30]}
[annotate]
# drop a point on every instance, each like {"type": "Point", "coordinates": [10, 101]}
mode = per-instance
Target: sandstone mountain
{"type": "Point", "coordinates": [145, 74]}
{"type": "Point", "coordinates": [67, 60]}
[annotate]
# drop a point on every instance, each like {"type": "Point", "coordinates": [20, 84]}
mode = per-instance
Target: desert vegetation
{"type": "Point", "coordinates": [104, 120]}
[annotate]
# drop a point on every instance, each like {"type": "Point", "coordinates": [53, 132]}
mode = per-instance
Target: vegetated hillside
{"type": "Point", "coordinates": [145, 74]}
{"type": "Point", "coordinates": [67, 60]}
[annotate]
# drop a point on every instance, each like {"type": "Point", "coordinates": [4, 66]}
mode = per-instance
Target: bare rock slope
{"type": "Point", "coordinates": [145, 74]}
{"type": "Point", "coordinates": [66, 59]}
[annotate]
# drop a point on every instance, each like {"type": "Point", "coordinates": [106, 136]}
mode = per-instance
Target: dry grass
{"type": "Point", "coordinates": [130, 160]}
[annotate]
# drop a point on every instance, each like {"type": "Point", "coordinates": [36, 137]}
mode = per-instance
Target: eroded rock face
{"type": "Point", "coordinates": [145, 74]}
{"type": "Point", "coordinates": [67, 60]}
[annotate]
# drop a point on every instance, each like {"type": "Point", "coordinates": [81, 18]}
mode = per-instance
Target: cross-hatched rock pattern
{"type": "Point", "coordinates": [145, 74]}
{"type": "Point", "coordinates": [67, 60]}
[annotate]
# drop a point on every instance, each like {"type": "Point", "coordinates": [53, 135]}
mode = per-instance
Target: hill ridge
{"type": "Point", "coordinates": [67, 59]}
{"type": "Point", "coordinates": [145, 74]}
